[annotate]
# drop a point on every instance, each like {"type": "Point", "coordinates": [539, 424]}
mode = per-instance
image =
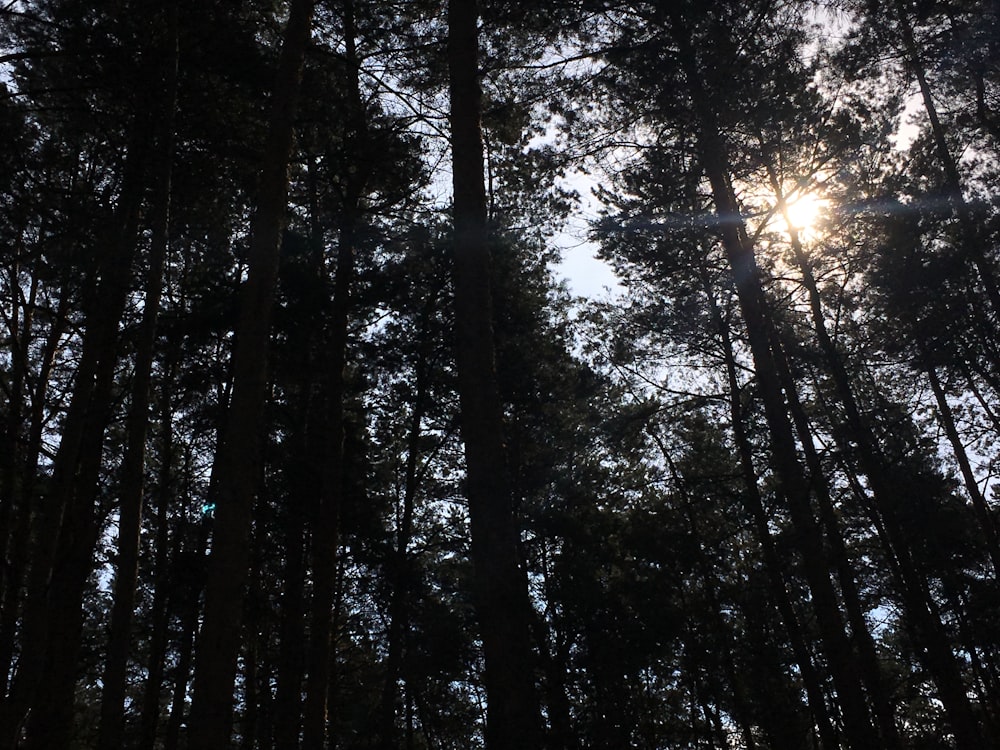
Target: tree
{"type": "Point", "coordinates": [211, 716]}
{"type": "Point", "coordinates": [501, 589]}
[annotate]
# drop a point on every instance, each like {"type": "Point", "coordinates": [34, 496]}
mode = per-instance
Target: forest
{"type": "Point", "coordinates": [307, 443]}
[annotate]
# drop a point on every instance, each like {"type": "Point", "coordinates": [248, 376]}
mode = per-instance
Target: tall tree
{"type": "Point", "coordinates": [132, 484]}
{"type": "Point", "coordinates": [218, 643]}
{"type": "Point", "coordinates": [501, 595]}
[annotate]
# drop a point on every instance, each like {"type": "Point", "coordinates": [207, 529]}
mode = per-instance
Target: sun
{"type": "Point", "coordinates": [803, 213]}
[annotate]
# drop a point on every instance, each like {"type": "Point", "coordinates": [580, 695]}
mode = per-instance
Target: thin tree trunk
{"type": "Point", "coordinates": [772, 563]}
{"type": "Point", "coordinates": [185, 650]}
{"type": "Point", "coordinates": [973, 239]}
{"type": "Point", "coordinates": [555, 666]}
{"type": "Point", "coordinates": [947, 419]}
{"type": "Point", "coordinates": [166, 555]}
{"type": "Point", "coordinates": [982, 662]}
{"type": "Point", "coordinates": [17, 553]}
{"type": "Point", "coordinates": [131, 491]}
{"type": "Point", "coordinates": [13, 505]}
{"type": "Point", "coordinates": [402, 569]}
{"type": "Point", "coordinates": [709, 582]}
{"type": "Point", "coordinates": [976, 390]}
{"type": "Point", "coordinates": [65, 530]}
{"type": "Point", "coordinates": [304, 478]}
{"type": "Point", "coordinates": [792, 483]}
{"type": "Point", "coordinates": [219, 642]}
{"type": "Point", "coordinates": [64, 518]}
{"type": "Point", "coordinates": [291, 652]}
{"type": "Point", "coordinates": [937, 654]}
{"type": "Point", "coordinates": [326, 536]}
{"type": "Point", "coordinates": [870, 669]}
{"type": "Point", "coordinates": [251, 699]}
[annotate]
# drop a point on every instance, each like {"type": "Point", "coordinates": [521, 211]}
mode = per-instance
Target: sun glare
{"type": "Point", "coordinates": [804, 212]}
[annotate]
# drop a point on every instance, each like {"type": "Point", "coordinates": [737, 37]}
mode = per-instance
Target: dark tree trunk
{"type": "Point", "coordinates": [754, 504]}
{"type": "Point", "coordinates": [871, 671]}
{"type": "Point", "coordinates": [291, 653]}
{"type": "Point", "coordinates": [709, 582]}
{"type": "Point", "coordinates": [974, 241]}
{"type": "Point", "coordinates": [326, 532]}
{"type": "Point", "coordinates": [936, 652]}
{"type": "Point", "coordinates": [304, 478]}
{"type": "Point", "coordinates": [793, 486]}
{"type": "Point", "coordinates": [185, 650]}
{"type": "Point", "coordinates": [13, 505]}
{"type": "Point", "coordinates": [502, 604]}
{"type": "Point", "coordinates": [132, 473]}
{"type": "Point", "coordinates": [166, 555]}
{"type": "Point", "coordinates": [982, 510]}
{"type": "Point", "coordinates": [64, 531]}
{"type": "Point", "coordinates": [402, 570]}
{"type": "Point", "coordinates": [20, 524]}
{"type": "Point", "coordinates": [236, 458]}
{"type": "Point", "coordinates": [555, 667]}
{"type": "Point", "coordinates": [249, 721]}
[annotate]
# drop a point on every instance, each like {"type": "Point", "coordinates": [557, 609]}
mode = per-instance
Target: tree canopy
{"type": "Point", "coordinates": [306, 443]}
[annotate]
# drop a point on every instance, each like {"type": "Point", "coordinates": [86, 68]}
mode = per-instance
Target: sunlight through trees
{"type": "Point", "coordinates": [305, 445]}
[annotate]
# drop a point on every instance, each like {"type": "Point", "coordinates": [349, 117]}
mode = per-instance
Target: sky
{"type": "Point", "coordinates": [585, 274]}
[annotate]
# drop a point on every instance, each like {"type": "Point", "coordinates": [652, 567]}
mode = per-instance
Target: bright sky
{"type": "Point", "coordinates": [586, 275]}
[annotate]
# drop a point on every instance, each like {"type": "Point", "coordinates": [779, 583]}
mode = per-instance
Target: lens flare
{"type": "Point", "coordinates": [804, 212]}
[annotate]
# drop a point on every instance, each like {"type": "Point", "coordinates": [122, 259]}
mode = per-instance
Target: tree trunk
{"type": "Point", "coordinates": [555, 667]}
{"type": "Point", "coordinates": [870, 669]}
{"type": "Point", "coordinates": [185, 651]}
{"type": "Point", "coordinates": [13, 503]}
{"type": "Point", "coordinates": [709, 582]}
{"type": "Point", "coordinates": [502, 603]}
{"type": "Point", "coordinates": [304, 479]}
{"type": "Point", "coordinates": [166, 556]}
{"type": "Point", "coordinates": [402, 570]}
{"type": "Point", "coordinates": [18, 549]}
{"type": "Point", "coordinates": [982, 510]}
{"type": "Point", "coordinates": [927, 628]}
{"type": "Point", "coordinates": [64, 530]}
{"type": "Point", "coordinates": [236, 457]}
{"type": "Point", "coordinates": [131, 490]}
{"type": "Point", "coordinates": [974, 242]}
{"type": "Point", "coordinates": [291, 652]}
{"type": "Point", "coordinates": [793, 486]}
{"type": "Point", "coordinates": [326, 531]}
{"type": "Point", "coordinates": [250, 718]}
{"type": "Point", "coordinates": [773, 567]}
